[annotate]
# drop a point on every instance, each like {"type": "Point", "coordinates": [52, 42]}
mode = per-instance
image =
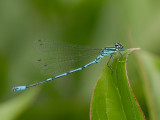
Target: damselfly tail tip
{"type": "Point", "coordinates": [19, 88]}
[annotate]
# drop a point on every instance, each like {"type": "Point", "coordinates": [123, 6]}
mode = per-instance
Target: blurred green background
{"type": "Point", "coordinates": [95, 23]}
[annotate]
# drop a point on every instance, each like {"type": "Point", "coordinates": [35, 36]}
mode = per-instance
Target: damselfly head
{"type": "Point", "coordinates": [118, 46]}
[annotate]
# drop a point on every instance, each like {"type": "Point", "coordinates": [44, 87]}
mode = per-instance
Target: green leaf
{"type": "Point", "coordinates": [113, 98]}
{"type": "Point", "coordinates": [150, 68]}
{"type": "Point", "coordinates": [11, 109]}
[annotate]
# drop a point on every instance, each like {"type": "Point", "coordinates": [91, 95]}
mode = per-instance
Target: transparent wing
{"type": "Point", "coordinates": [58, 57]}
{"type": "Point", "coordinates": [58, 46]}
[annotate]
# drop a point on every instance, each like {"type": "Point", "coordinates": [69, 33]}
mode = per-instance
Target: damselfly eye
{"type": "Point", "coordinates": [116, 44]}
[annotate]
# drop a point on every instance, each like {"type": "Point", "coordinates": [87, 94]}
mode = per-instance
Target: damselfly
{"type": "Point", "coordinates": [107, 51]}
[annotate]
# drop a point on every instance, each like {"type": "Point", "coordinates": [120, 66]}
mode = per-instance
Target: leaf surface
{"type": "Point", "coordinates": [113, 98]}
